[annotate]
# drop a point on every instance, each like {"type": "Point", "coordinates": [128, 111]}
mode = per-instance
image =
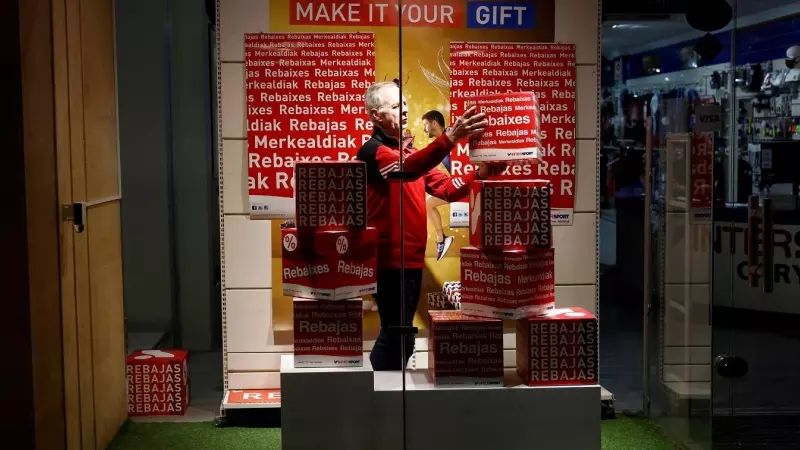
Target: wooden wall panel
{"type": "Point", "coordinates": [15, 321]}
{"type": "Point", "coordinates": [42, 224]}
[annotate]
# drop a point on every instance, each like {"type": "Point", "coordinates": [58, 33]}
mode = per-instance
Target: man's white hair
{"type": "Point", "coordinates": [373, 98]}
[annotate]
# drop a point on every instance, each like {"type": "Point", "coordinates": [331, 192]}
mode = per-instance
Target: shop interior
{"type": "Point", "coordinates": [656, 73]}
{"type": "Point", "coordinates": [668, 282]}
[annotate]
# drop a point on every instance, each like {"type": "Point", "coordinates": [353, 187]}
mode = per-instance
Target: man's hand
{"type": "Point", "coordinates": [491, 170]}
{"type": "Point", "coordinates": [468, 125]}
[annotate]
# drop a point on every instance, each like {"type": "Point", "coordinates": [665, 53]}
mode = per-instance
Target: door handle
{"type": "Point", "coordinates": [767, 241]}
{"type": "Point", "coordinates": [752, 240]}
{"type": "Point", "coordinates": [760, 221]}
{"type": "Point", "coordinates": [730, 366]}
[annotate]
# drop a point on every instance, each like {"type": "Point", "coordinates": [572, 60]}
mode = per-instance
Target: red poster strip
{"type": "Point", "coordinates": [547, 70]}
{"type": "Point", "coordinates": [305, 102]}
{"type": "Point", "coordinates": [702, 166]}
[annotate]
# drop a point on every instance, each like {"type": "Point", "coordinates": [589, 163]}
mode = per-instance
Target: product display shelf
{"type": "Point", "coordinates": [270, 397]}
{"type": "Point", "coordinates": [339, 402]}
{"type": "Point", "coordinates": [515, 416]}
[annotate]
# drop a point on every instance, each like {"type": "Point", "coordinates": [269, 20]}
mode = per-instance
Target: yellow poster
{"type": "Point", "coordinates": [423, 43]}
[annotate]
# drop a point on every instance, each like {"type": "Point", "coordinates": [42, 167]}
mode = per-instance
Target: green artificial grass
{"type": "Point", "coordinates": [192, 436]}
{"type": "Point", "coordinates": [622, 433]}
{"type": "Point", "coordinates": [633, 433]}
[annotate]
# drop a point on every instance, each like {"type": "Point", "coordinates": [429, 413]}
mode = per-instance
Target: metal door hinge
{"type": "Point", "coordinates": [75, 213]}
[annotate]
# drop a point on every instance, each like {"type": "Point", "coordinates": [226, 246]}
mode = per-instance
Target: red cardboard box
{"type": "Point", "coordinates": [507, 284]}
{"type": "Point", "coordinates": [513, 132]}
{"type": "Point", "coordinates": [328, 333]}
{"type": "Point", "coordinates": [510, 214]}
{"type": "Point", "coordinates": [329, 264]}
{"type": "Point", "coordinates": [157, 382]}
{"type": "Point", "coordinates": [331, 195]}
{"type": "Point", "coordinates": [559, 348]}
{"type": "Point", "coordinates": [464, 350]}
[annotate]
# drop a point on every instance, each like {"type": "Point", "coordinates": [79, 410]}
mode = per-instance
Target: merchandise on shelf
{"type": "Point", "coordinates": [455, 300]}
{"type": "Point", "coordinates": [510, 214]}
{"type": "Point", "coordinates": [328, 333]}
{"type": "Point", "coordinates": [507, 284]}
{"type": "Point", "coordinates": [331, 195]}
{"type": "Point", "coordinates": [449, 298]}
{"type": "Point", "coordinates": [465, 350]}
{"type": "Point", "coordinates": [513, 131]}
{"type": "Point", "coordinates": [329, 264]}
{"type": "Point", "coordinates": [157, 382]}
{"type": "Point", "coordinates": [452, 292]}
{"type": "Point", "coordinates": [559, 348]}
{"type": "Point", "coordinates": [437, 300]}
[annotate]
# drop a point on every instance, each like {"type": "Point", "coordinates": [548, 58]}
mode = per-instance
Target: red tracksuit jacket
{"type": "Point", "coordinates": [382, 156]}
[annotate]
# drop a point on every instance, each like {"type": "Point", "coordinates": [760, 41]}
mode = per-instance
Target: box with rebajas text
{"type": "Point", "coordinates": [329, 264]}
{"type": "Point", "coordinates": [507, 284]}
{"type": "Point", "coordinates": [330, 195]}
{"type": "Point", "coordinates": [559, 348]}
{"type": "Point", "coordinates": [510, 214]}
{"type": "Point", "coordinates": [465, 350]}
{"type": "Point", "coordinates": [328, 333]}
{"type": "Point", "coordinates": [513, 132]}
{"type": "Point", "coordinates": [157, 382]}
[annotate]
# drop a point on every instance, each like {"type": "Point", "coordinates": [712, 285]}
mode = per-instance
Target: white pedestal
{"type": "Point", "coordinates": [354, 409]}
{"type": "Point", "coordinates": [326, 408]}
{"type": "Point", "coordinates": [514, 417]}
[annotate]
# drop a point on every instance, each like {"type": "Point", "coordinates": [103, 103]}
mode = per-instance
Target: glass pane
{"type": "Point", "coordinates": [664, 82]}
{"type": "Point", "coordinates": [756, 281]}
{"type": "Point", "coordinates": [488, 269]}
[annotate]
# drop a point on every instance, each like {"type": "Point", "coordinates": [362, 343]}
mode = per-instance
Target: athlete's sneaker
{"type": "Point", "coordinates": [443, 247]}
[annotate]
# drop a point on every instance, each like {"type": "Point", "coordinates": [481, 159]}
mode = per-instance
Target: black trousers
{"type": "Point", "coordinates": [387, 353]}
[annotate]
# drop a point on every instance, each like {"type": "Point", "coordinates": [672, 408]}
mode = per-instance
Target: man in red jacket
{"type": "Point", "coordinates": [396, 207]}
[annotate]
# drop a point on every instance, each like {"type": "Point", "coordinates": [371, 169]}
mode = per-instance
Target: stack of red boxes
{"type": "Point", "coordinates": [328, 262]}
{"type": "Point", "coordinates": [506, 273]}
{"type": "Point", "coordinates": [508, 270]}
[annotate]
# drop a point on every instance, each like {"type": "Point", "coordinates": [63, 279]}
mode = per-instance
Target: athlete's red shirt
{"type": "Point", "coordinates": [382, 156]}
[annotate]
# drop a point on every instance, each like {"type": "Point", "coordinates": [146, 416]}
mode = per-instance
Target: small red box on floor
{"type": "Point", "coordinates": [507, 284]}
{"type": "Point", "coordinates": [158, 382]}
{"type": "Point", "coordinates": [328, 333]}
{"type": "Point", "coordinates": [465, 350]}
{"type": "Point", "coordinates": [329, 264]}
{"type": "Point", "coordinates": [508, 214]}
{"type": "Point", "coordinates": [330, 194]}
{"type": "Point", "coordinates": [559, 348]}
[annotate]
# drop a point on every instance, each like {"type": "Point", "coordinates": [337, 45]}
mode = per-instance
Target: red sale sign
{"type": "Point", "coordinates": [305, 102]}
{"type": "Point", "coordinates": [548, 71]}
{"type": "Point", "coordinates": [702, 164]}
{"type": "Point", "coordinates": [513, 131]}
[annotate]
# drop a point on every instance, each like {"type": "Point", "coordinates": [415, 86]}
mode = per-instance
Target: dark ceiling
{"type": "Point", "coordinates": [644, 6]}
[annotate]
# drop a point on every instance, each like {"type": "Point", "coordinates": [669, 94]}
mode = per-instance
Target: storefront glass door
{"type": "Point", "coordinates": [756, 291]}
{"type": "Point", "coordinates": [723, 284]}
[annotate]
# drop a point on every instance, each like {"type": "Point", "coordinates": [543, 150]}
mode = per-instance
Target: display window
{"type": "Point", "coordinates": [412, 171]}
{"type": "Point", "coordinates": [384, 219]}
